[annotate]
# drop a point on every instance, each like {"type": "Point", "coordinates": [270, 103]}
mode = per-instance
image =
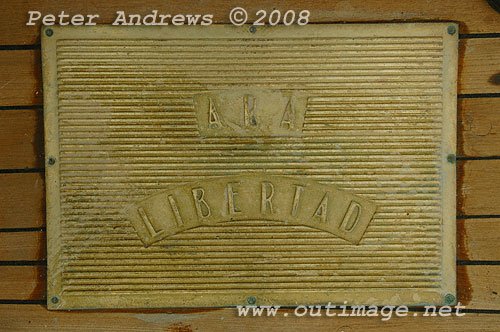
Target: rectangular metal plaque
{"type": "Point", "coordinates": [218, 166]}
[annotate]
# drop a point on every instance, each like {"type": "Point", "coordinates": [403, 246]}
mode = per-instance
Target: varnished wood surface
{"type": "Point", "coordinates": [20, 77]}
{"type": "Point", "coordinates": [479, 127]}
{"type": "Point", "coordinates": [479, 71]}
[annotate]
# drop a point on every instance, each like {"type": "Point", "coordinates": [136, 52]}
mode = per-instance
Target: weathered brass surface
{"type": "Point", "coordinates": [203, 166]}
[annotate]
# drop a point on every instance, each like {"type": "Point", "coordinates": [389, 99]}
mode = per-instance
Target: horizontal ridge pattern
{"type": "Point", "coordinates": [128, 128]}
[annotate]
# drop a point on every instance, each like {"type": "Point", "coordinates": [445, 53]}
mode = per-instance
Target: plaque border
{"type": "Point", "coordinates": [401, 296]}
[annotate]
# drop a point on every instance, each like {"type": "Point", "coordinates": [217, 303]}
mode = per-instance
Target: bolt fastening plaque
{"type": "Point", "coordinates": [221, 166]}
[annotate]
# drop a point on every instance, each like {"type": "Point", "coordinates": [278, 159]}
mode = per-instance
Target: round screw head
{"type": "Point", "coordinates": [253, 29]}
{"type": "Point", "coordinates": [449, 299]}
{"type": "Point", "coordinates": [251, 300]}
{"type": "Point", "coordinates": [451, 30]}
{"type": "Point", "coordinates": [54, 299]}
{"type": "Point", "coordinates": [51, 161]}
{"type": "Point", "coordinates": [451, 158]}
{"type": "Point", "coordinates": [49, 32]}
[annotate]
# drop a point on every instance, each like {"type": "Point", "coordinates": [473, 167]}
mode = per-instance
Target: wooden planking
{"type": "Point", "coordinates": [22, 246]}
{"type": "Point", "coordinates": [21, 133]}
{"type": "Point", "coordinates": [478, 239]}
{"type": "Point", "coordinates": [22, 200]}
{"type": "Point", "coordinates": [20, 81]}
{"type": "Point", "coordinates": [37, 318]}
{"type": "Point", "coordinates": [21, 139]}
{"type": "Point", "coordinates": [477, 284]}
{"type": "Point", "coordinates": [22, 282]}
{"type": "Point", "coordinates": [479, 127]}
{"type": "Point", "coordinates": [474, 16]}
{"type": "Point", "coordinates": [479, 187]}
{"type": "Point", "coordinates": [480, 67]}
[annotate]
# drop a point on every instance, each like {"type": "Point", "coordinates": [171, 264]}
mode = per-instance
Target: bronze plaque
{"type": "Point", "coordinates": [294, 165]}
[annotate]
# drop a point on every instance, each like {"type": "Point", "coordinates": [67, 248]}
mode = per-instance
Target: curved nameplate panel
{"type": "Point", "coordinates": [251, 197]}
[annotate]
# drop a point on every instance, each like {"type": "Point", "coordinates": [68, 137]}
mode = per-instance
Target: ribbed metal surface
{"type": "Point", "coordinates": [122, 113]}
{"type": "Point", "coordinates": [127, 129]}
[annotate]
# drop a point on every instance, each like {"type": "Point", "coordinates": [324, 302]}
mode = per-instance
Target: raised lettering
{"type": "Point", "coordinates": [351, 217]}
{"type": "Point", "coordinates": [296, 199]}
{"type": "Point", "coordinates": [288, 118]}
{"type": "Point", "coordinates": [175, 210]}
{"type": "Point", "coordinates": [322, 209]}
{"type": "Point", "coordinates": [266, 196]}
{"type": "Point", "coordinates": [231, 193]}
{"type": "Point", "coordinates": [201, 205]}
{"type": "Point", "coordinates": [148, 224]}
{"type": "Point", "coordinates": [214, 120]}
{"type": "Point", "coordinates": [249, 105]}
